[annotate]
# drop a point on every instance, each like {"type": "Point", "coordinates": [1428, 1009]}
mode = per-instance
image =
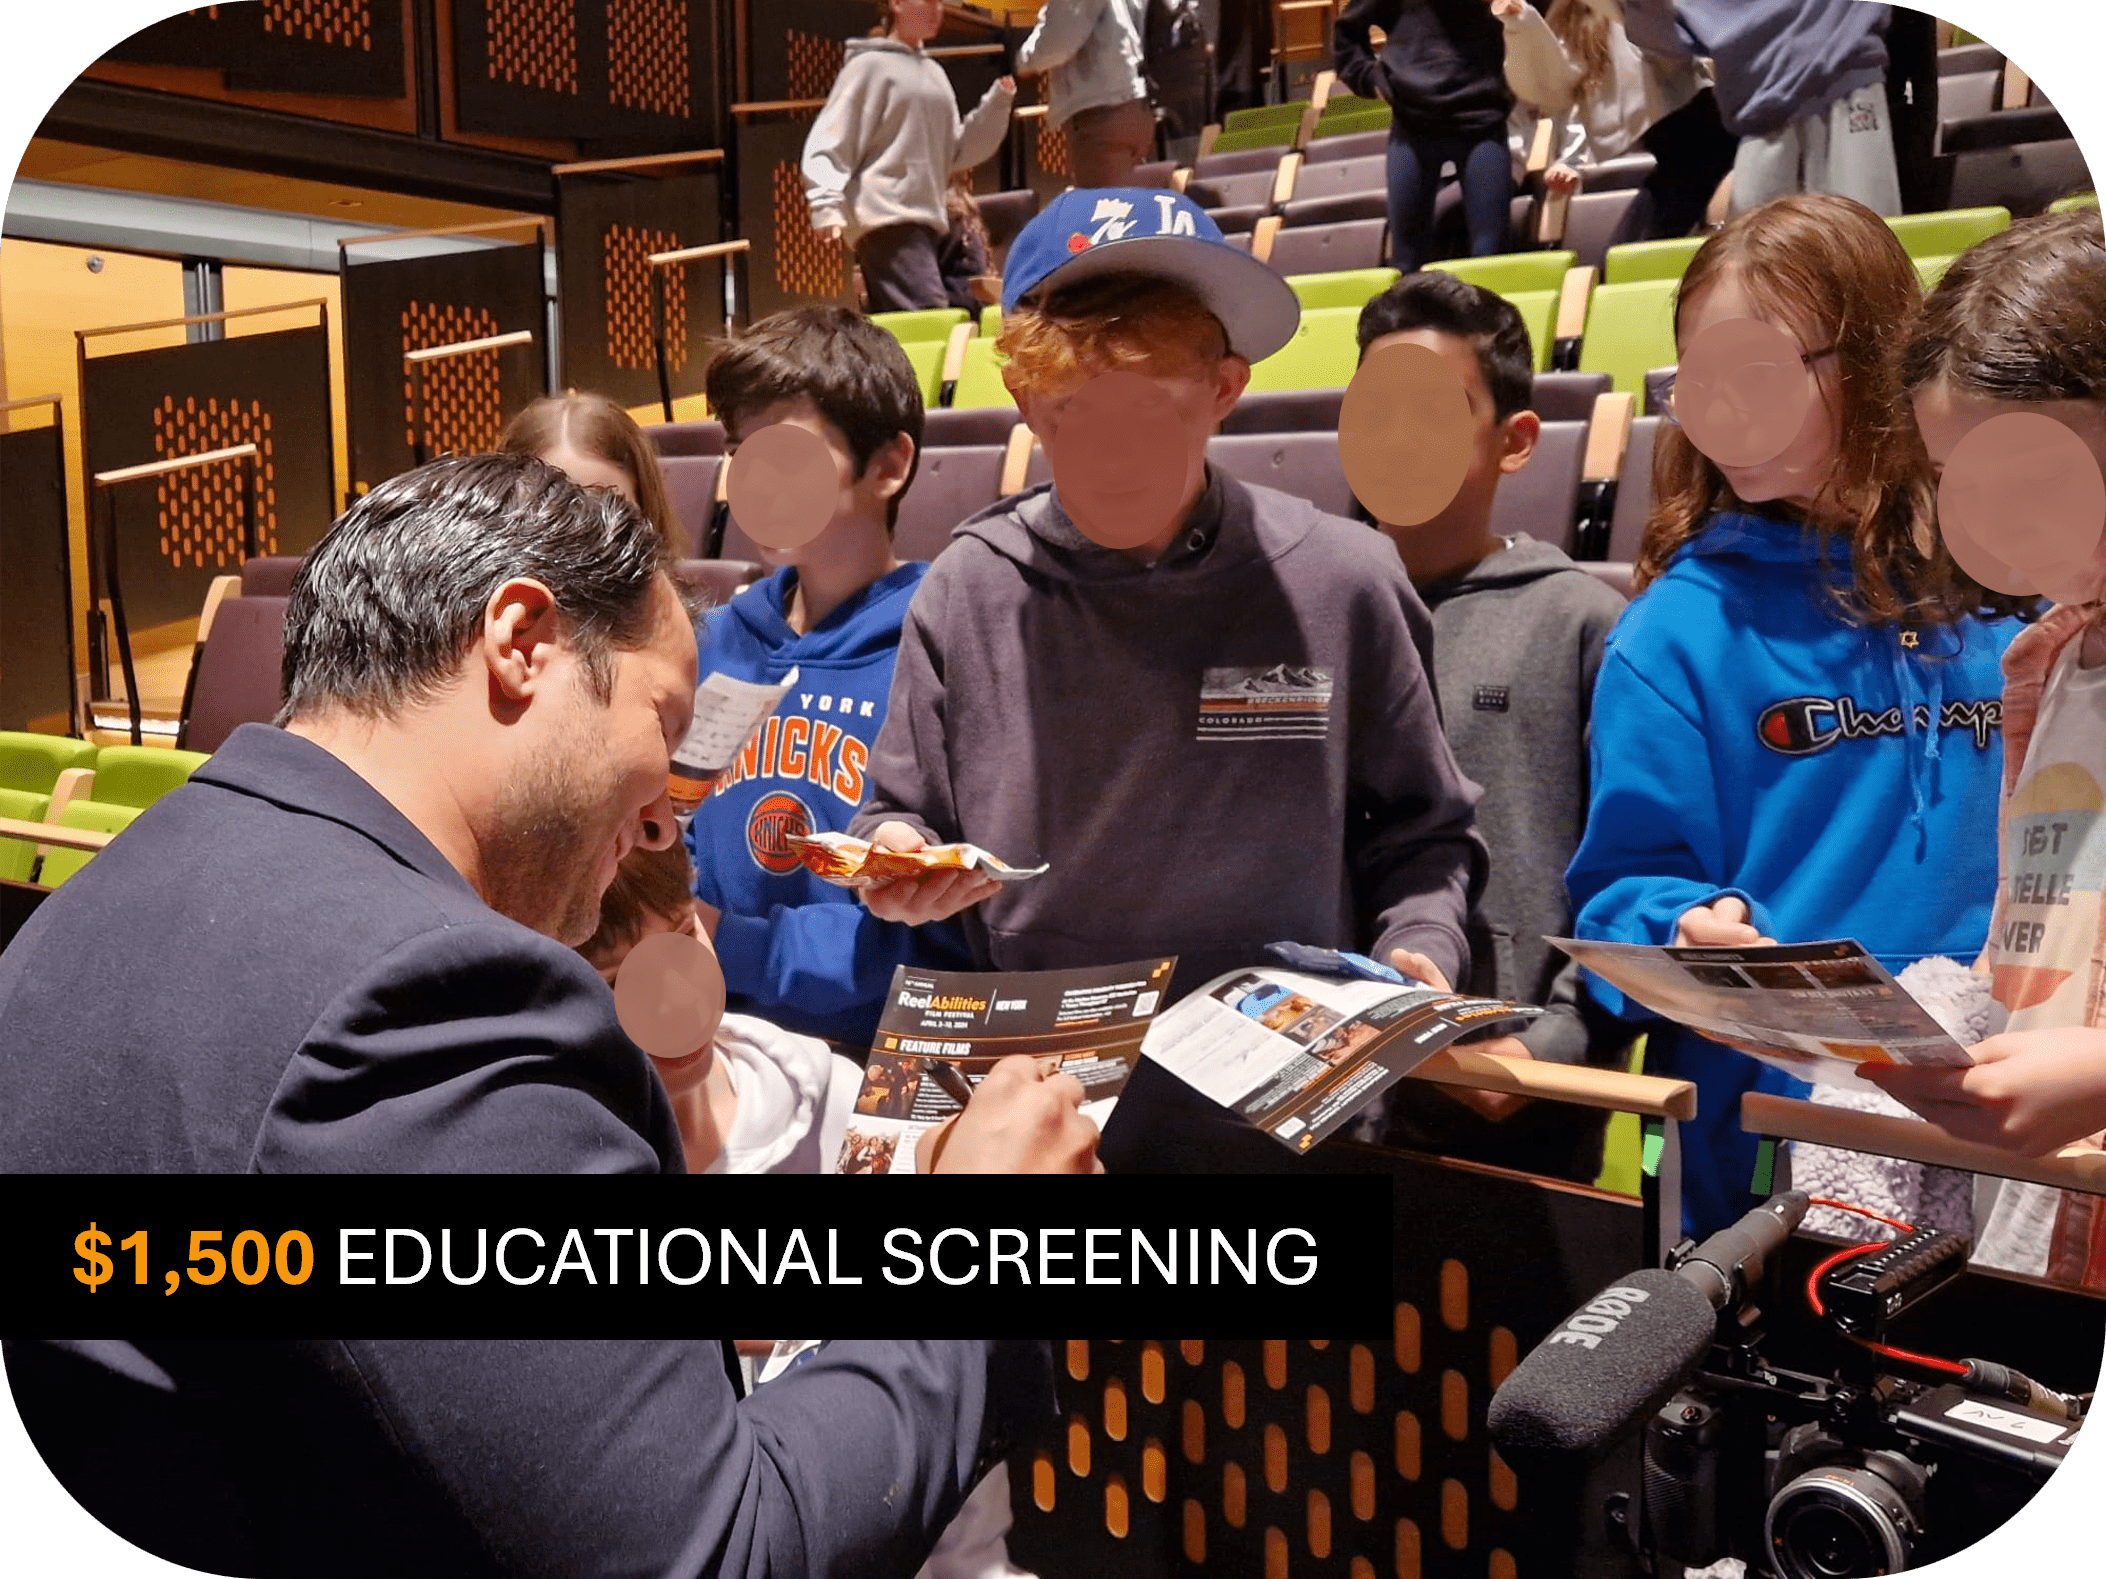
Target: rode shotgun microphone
{"type": "Point", "coordinates": [1616, 1360]}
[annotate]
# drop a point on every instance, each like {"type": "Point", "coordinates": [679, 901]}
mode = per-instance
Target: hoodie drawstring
{"type": "Point", "coordinates": [1922, 689]}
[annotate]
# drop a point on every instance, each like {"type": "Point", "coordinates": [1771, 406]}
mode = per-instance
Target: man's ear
{"type": "Point", "coordinates": [1231, 379]}
{"type": "Point", "coordinates": [521, 630]}
{"type": "Point", "coordinates": [1517, 440]}
{"type": "Point", "coordinates": [891, 464]}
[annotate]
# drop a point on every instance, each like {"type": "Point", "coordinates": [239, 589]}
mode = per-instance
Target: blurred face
{"type": "Point", "coordinates": [584, 782]}
{"type": "Point", "coordinates": [916, 21]}
{"type": "Point", "coordinates": [1486, 450]}
{"type": "Point", "coordinates": [831, 473]}
{"type": "Point", "coordinates": [1129, 449]}
{"type": "Point", "coordinates": [685, 1071]}
{"type": "Point", "coordinates": [1805, 456]}
{"type": "Point", "coordinates": [2020, 502]}
{"type": "Point", "coordinates": [590, 471]}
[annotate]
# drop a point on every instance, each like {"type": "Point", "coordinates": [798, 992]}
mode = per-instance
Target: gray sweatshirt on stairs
{"type": "Point", "coordinates": [1231, 747]}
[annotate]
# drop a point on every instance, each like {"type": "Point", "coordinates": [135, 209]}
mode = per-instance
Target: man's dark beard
{"type": "Point", "coordinates": [541, 861]}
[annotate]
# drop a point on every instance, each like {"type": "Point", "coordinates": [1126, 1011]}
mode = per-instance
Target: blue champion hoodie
{"type": "Point", "coordinates": [795, 950]}
{"type": "Point", "coordinates": [1749, 740]}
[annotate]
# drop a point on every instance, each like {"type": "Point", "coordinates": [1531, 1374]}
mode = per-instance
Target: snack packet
{"type": "Point", "coordinates": [856, 863]}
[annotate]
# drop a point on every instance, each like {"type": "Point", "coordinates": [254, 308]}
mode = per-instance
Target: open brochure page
{"type": "Point", "coordinates": [1299, 1055]}
{"type": "Point", "coordinates": [943, 1030]}
{"type": "Point", "coordinates": [1814, 1009]}
{"type": "Point", "coordinates": [727, 713]}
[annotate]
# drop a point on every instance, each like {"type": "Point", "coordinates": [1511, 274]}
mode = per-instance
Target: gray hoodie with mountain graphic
{"type": "Point", "coordinates": [884, 147]}
{"type": "Point", "coordinates": [1234, 746]}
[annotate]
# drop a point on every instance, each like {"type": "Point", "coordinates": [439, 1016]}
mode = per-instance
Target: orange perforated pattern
{"type": "Point", "coordinates": [534, 43]}
{"type": "Point", "coordinates": [348, 24]}
{"type": "Point", "coordinates": [464, 405]}
{"type": "Point", "coordinates": [647, 55]}
{"type": "Point", "coordinates": [200, 509]}
{"type": "Point", "coordinates": [623, 252]}
{"type": "Point", "coordinates": [814, 63]}
{"type": "Point", "coordinates": [806, 264]}
{"type": "Point", "coordinates": [1309, 1456]}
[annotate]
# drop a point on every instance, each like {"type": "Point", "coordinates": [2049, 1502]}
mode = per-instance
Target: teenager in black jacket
{"type": "Point", "coordinates": [1443, 71]}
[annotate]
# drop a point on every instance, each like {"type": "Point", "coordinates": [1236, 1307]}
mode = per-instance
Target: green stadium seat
{"type": "Point", "coordinates": [1947, 234]}
{"type": "Point", "coordinates": [928, 323]}
{"type": "Point", "coordinates": [33, 762]}
{"type": "Point", "coordinates": [2069, 205]}
{"type": "Point", "coordinates": [1623, 1148]}
{"type": "Point", "coordinates": [1281, 135]}
{"type": "Point", "coordinates": [1509, 272]}
{"type": "Point", "coordinates": [18, 857]}
{"type": "Point", "coordinates": [1373, 119]}
{"type": "Point", "coordinates": [1344, 288]}
{"type": "Point", "coordinates": [1539, 310]}
{"type": "Point", "coordinates": [137, 776]}
{"type": "Point", "coordinates": [1265, 115]}
{"type": "Point", "coordinates": [1630, 328]}
{"type": "Point", "coordinates": [926, 358]}
{"type": "Point", "coordinates": [1649, 260]}
{"type": "Point", "coordinates": [93, 814]}
{"type": "Point", "coordinates": [1930, 271]}
{"type": "Point", "coordinates": [1322, 354]}
{"type": "Point", "coordinates": [980, 378]}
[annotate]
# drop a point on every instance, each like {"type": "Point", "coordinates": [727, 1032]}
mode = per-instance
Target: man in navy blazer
{"type": "Point", "coordinates": [342, 947]}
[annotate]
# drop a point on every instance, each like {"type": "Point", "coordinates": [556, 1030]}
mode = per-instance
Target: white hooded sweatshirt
{"type": "Point", "coordinates": [795, 1097]}
{"type": "Point", "coordinates": [884, 148]}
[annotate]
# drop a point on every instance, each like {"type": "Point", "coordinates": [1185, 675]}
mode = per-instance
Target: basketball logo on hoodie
{"type": "Point", "coordinates": [769, 827]}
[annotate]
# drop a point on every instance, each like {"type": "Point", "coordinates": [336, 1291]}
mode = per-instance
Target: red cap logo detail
{"type": "Point", "coordinates": [1078, 243]}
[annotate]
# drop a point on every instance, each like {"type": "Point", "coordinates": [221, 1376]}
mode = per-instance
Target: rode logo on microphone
{"type": "Point", "coordinates": [1603, 1315]}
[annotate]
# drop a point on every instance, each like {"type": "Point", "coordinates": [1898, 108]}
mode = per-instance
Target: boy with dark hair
{"type": "Point", "coordinates": [797, 950]}
{"type": "Point", "coordinates": [1219, 734]}
{"type": "Point", "coordinates": [1517, 638]}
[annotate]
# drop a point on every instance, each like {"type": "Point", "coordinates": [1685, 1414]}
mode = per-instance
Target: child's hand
{"type": "Point", "coordinates": [1020, 1120]}
{"type": "Point", "coordinates": [1506, 10]}
{"type": "Point", "coordinates": [1561, 180]}
{"type": "Point", "coordinates": [1419, 968]}
{"type": "Point", "coordinates": [1721, 924]}
{"type": "Point", "coordinates": [1006, 84]}
{"type": "Point", "coordinates": [2027, 1091]}
{"type": "Point", "coordinates": [932, 896]}
{"type": "Point", "coordinates": [829, 229]}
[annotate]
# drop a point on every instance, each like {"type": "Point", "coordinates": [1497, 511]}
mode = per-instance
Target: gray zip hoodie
{"type": "Point", "coordinates": [886, 144]}
{"type": "Point", "coordinates": [1234, 746]}
{"type": "Point", "coordinates": [1517, 641]}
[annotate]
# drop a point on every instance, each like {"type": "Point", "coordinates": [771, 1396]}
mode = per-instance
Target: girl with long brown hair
{"type": "Point", "coordinates": [1795, 727]}
{"type": "Point", "coordinates": [2017, 327]}
{"type": "Point", "coordinates": [596, 443]}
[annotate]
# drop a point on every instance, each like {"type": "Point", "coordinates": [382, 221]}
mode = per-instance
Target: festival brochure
{"type": "Point", "coordinates": [1299, 1054]}
{"type": "Point", "coordinates": [942, 1031]}
{"type": "Point", "coordinates": [1815, 1010]}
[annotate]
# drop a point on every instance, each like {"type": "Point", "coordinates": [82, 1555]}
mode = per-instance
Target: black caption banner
{"type": "Point", "coordinates": [239, 1257]}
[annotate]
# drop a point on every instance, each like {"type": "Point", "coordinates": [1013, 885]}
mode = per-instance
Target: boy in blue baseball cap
{"type": "Point", "coordinates": [1202, 702]}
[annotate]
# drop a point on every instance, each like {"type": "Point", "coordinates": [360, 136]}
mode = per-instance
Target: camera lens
{"type": "Point", "coordinates": [1839, 1523]}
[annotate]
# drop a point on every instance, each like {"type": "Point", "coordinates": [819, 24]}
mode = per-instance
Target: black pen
{"type": "Point", "coordinates": [953, 1081]}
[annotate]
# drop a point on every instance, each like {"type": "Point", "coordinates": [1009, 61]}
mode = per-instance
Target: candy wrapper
{"type": "Point", "coordinates": [856, 863]}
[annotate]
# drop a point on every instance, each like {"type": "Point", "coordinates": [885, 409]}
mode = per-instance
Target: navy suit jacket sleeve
{"type": "Point", "coordinates": [533, 1075]}
{"type": "Point", "coordinates": [633, 1457]}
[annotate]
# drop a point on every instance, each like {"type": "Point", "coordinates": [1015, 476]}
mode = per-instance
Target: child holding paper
{"type": "Point", "coordinates": [1795, 727]}
{"type": "Point", "coordinates": [2018, 326]}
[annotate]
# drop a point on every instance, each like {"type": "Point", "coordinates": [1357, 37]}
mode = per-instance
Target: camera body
{"type": "Point", "coordinates": [1858, 1472]}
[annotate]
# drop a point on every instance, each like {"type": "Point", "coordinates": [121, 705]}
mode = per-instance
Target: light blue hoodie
{"type": "Point", "coordinates": [1776, 61]}
{"type": "Point", "coordinates": [796, 950]}
{"type": "Point", "coordinates": [1750, 740]}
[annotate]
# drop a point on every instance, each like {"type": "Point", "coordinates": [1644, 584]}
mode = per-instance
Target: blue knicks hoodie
{"type": "Point", "coordinates": [798, 951]}
{"type": "Point", "coordinates": [1750, 740]}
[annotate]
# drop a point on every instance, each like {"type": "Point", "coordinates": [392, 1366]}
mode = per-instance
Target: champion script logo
{"type": "Point", "coordinates": [1805, 726]}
